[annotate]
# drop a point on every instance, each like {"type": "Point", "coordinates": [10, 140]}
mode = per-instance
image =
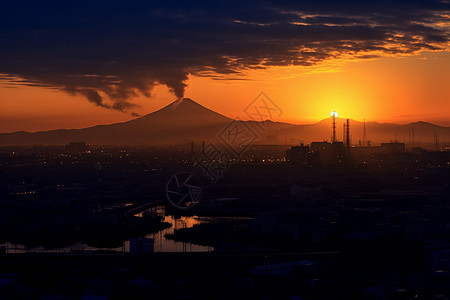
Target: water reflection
{"type": "Point", "coordinates": [162, 244]}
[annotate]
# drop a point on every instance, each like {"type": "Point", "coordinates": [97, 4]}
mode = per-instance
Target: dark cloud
{"type": "Point", "coordinates": [112, 51]}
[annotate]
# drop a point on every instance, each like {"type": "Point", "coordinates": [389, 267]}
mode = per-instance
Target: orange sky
{"type": "Point", "coordinates": [389, 89]}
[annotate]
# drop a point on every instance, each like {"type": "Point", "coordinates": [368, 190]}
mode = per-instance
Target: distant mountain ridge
{"type": "Point", "coordinates": [185, 120]}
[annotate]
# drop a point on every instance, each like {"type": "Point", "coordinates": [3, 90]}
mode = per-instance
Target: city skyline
{"type": "Point", "coordinates": [184, 121]}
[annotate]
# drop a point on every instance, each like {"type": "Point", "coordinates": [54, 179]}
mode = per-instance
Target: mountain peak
{"type": "Point", "coordinates": [182, 110]}
{"type": "Point", "coordinates": [182, 101]}
{"type": "Point", "coordinates": [422, 123]}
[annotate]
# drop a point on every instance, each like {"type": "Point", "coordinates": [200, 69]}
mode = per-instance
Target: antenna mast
{"type": "Point", "coordinates": [333, 137]}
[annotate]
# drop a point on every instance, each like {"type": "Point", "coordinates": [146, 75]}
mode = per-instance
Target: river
{"type": "Point", "coordinates": [162, 244]}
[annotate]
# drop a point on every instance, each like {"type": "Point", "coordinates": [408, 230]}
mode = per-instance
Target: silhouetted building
{"type": "Point", "coordinates": [329, 153]}
{"type": "Point", "coordinates": [392, 148]}
{"type": "Point", "coordinates": [77, 146]}
{"type": "Point", "coordinates": [364, 155]}
{"type": "Point", "coordinates": [301, 155]}
{"type": "Point", "coordinates": [318, 152]}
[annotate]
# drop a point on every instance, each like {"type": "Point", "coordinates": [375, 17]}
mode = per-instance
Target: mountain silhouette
{"type": "Point", "coordinates": [184, 121]}
{"type": "Point", "coordinates": [181, 121]}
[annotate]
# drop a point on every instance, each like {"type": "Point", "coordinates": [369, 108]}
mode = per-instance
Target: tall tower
{"type": "Point", "coordinates": [333, 117]}
{"type": "Point", "coordinates": [364, 143]}
{"type": "Point", "coordinates": [343, 132]}
{"type": "Point", "coordinates": [347, 134]}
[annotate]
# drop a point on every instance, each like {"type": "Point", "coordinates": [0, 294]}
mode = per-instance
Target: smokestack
{"type": "Point", "coordinates": [333, 137]}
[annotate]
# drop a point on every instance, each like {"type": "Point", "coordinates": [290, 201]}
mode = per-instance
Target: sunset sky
{"type": "Point", "coordinates": [77, 65]}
